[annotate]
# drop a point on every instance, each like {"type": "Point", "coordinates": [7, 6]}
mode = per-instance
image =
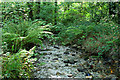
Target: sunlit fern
{"type": "Point", "coordinates": [23, 35]}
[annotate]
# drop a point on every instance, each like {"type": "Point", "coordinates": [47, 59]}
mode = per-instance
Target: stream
{"type": "Point", "coordinates": [64, 62]}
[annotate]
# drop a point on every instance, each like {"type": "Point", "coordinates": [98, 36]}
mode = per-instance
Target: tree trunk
{"type": "Point", "coordinates": [112, 7]}
{"type": "Point", "coordinates": [38, 11]}
{"type": "Point", "coordinates": [114, 13]}
{"type": "Point", "coordinates": [31, 11]}
{"type": "Point", "coordinates": [68, 5]}
{"type": "Point", "coordinates": [2, 8]}
{"type": "Point", "coordinates": [118, 10]}
{"type": "Point", "coordinates": [55, 13]}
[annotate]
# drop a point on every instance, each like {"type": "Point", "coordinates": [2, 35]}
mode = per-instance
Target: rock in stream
{"type": "Point", "coordinates": [62, 62]}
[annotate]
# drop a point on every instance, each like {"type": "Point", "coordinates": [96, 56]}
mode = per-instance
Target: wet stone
{"type": "Point", "coordinates": [62, 65]}
{"type": "Point", "coordinates": [44, 53]}
{"type": "Point", "coordinates": [50, 53]}
{"type": "Point", "coordinates": [56, 47]}
{"type": "Point", "coordinates": [57, 55]}
{"type": "Point", "coordinates": [60, 56]}
{"type": "Point", "coordinates": [83, 73]}
{"type": "Point", "coordinates": [72, 61]}
{"type": "Point", "coordinates": [80, 69]}
{"type": "Point", "coordinates": [59, 64]}
{"type": "Point", "coordinates": [75, 65]}
{"type": "Point", "coordinates": [43, 56]}
{"type": "Point", "coordinates": [78, 47]}
{"type": "Point", "coordinates": [66, 52]}
{"type": "Point", "coordinates": [74, 46]}
{"type": "Point", "coordinates": [91, 67]}
{"type": "Point", "coordinates": [82, 61]}
{"type": "Point", "coordinates": [66, 64]}
{"type": "Point", "coordinates": [48, 57]}
{"type": "Point", "coordinates": [70, 75]}
{"type": "Point", "coordinates": [86, 58]}
{"type": "Point", "coordinates": [75, 61]}
{"type": "Point", "coordinates": [95, 70]}
{"type": "Point", "coordinates": [87, 74]}
{"type": "Point", "coordinates": [73, 54]}
{"type": "Point", "coordinates": [55, 59]}
{"type": "Point", "coordinates": [66, 61]}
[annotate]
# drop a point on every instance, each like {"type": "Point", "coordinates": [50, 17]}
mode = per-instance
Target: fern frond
{"type": "Point", "coordinates": [24, 34]}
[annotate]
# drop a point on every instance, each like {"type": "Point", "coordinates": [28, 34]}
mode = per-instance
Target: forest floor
{"type": "Point", "coordinates": [65, 62]}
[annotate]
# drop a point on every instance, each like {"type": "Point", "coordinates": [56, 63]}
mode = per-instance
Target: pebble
{"type": "Point", "coordinates": [73, 54]}
{"type": "Point", "coordinates": [66, 61]}
{"type": "Point", "coordinates": [71, 61]}
{"type": "Point", "coordinates": [75, 65]}
{"type": "Point", "coordinates": [60, 56]}
{"type": "Point", "coordinates": [87, 74]}
{"type": "Point", "coordinates": [91, 67]}
{"type": "Point", "coordinates": [78, 47]}
{"type": "Point", "coordinates": [50, 53]}
{"type": "Point", "coordinates": [44, 53]}
{"type": "Point", "coordinates": [80, 69]}
{"type": "Point", "coordinates": [56, 47]}
{"type": "Point", "coordinates": [55, 59]}
{"type": "Point", "coordinates": [70, 75]}
{"type": "Point", "coordinates": [86, 58]}
{"type": "Point", "coordinates": [74, 46]}
{"type": "Point", "coordinates": [66, 52]}
{"type": "Point", "coordinates": [95, 70]}
{"type": "Point", "coordinates": [68, 66]}
{"type": "Point", "coordinates": [58, 73]}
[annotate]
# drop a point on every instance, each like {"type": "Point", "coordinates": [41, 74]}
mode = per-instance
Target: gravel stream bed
{"type": "Point", "coordinates": [64, 62]}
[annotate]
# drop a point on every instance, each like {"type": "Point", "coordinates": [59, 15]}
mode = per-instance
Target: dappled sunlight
{"type": "Point", "coordinates": [60, 40]}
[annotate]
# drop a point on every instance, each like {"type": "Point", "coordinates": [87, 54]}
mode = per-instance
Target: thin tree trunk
{"type": "Point", "coordinates": [2, 8]}
{"type": "Point", "coordinates": [30, 12]}
{"type": "Point", "coordinates": [118, 14]}
{"type": "Point", "coordinates": [112, 7]}
{"type": "Point", "coordinates": [55, 12]}
{"type": "Point", "coordinates": [38, 12]}
{"type": "Point", "coordinates": [68, 5]}
{"type": "Point", "coordinates": [65, 8]}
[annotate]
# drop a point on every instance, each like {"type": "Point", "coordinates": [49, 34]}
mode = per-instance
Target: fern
{"type": "Point", "coordinates": [23, 35]}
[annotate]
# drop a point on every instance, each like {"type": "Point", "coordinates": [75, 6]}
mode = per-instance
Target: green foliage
{"type": "Point", "coordinates": [47, 9]}
{"type": "Point", "coordinates": [23, 35]}
{"type": "Point", "coordinates": [103, 42]}
{"type": "Point", "coordinates": [18, 65]}
{"type": "Point", "coordinates": [75, 34]}
{"type": "Point", "coordinates": [67, 12]}
{"type": "Point", "coordinates": [70, 16]}
{"type": "Point", "coordinates": [12, 67]}
{"type": "Point", "coordinates": [42, 63]}
{"type": "Point", "coordinates": [93, 26]}
{"type": "Point", "coordinates": [100, 39]}
{"type": "Point", "coordinates": [14, 12]}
